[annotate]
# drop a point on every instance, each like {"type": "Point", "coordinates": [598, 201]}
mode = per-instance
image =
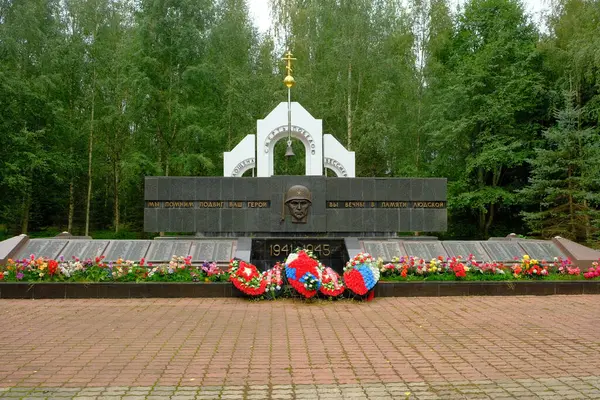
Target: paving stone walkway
{"type": "Point", "coordinates": [390, 348]}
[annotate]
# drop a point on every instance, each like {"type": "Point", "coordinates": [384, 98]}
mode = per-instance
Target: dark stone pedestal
{"type": "Point", "coordinates": [267, 251]}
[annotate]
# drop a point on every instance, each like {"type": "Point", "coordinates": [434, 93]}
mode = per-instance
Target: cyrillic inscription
{"type": "Point", "coordinates": [393, 204]}
{"type": "Point", "coordinates": [258, 204]}
{"type": "Point", "coordinates": [386, 204]}
{"type": "Point", "coordinates": [209, 204]}
{"type": "Point", "coordinates": [354, 204]}
{"type": "Point", "coordinates": [429, 204]}
{"type": "Point", "coordinates": [179, 204]}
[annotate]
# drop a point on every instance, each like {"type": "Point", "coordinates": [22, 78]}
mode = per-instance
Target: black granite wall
{"type": "Point", "coordinates": [256, 205]}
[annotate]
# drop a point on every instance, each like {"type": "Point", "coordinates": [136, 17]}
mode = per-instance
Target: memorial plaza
{"type": "Point", "coordinates": [114, 321]}
{"type": "Point", "coordinates": [521, 347]}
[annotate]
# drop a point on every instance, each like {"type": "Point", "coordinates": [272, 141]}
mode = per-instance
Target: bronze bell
{"type": "Point", "coordinates": [289, 152]}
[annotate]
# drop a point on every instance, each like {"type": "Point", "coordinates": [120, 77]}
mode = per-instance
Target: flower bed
{"type": "Point", "coordinates": [457, 269]}
{"type": "Point", "coordinates": [179, 269]}
{"type": "Point", "coordinates": [302, 275]}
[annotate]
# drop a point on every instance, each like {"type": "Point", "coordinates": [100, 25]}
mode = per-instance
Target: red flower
{"type": "Point", "coordinates": [459, 270]}
{"type": "Point", "coordinates": [52, 267]}
{"type": "Point", "coordinates": [1, 275]}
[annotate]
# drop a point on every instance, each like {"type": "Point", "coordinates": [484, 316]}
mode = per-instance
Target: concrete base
{"type": "Point", "coordinates": [59, 290]}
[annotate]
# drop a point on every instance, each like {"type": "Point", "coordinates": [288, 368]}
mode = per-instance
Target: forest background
{"type": "Point", "coordinates": [97, 94]}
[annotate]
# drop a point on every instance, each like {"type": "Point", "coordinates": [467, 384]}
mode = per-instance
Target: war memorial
{"type": "Point", "coordinates": [264, 218]}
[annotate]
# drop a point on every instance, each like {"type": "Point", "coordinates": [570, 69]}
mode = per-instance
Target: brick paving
{"type": "Point", "coordinates": [392, 348]}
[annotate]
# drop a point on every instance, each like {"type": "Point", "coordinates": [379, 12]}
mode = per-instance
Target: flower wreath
{"type": "Point", "coordinates": [303, 273]}
{"type": "Point", "coordinates": [361, 273]}
{"type": "Point", "coordinates": [246, 278]}
{"type": "Point", "coordinates": [332, 284]}
{"type": "Point", "coordinates": [273, 280]}
{"type": "Point", "coordinates": [234, 265]}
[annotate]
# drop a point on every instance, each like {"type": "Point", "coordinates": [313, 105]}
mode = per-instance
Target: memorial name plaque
{"type": "Point", "coordinates": [375, 249]}
{"type": "Point", "coordinates": [47, 248]}
{"type": "Point", "coordinates": [224, 251]}
{"type": "Point", "coordinates": [160, 251]}
{"type": "Point", "coordinates": [117, 250]}
{"type": "Point", "coordinates": [542, 250]}
{"type": "Point", "coordinates": [464, 249]}
{"type": "Point", "coordinates": [392, 250]}
{"type": "Point", "coordinates": [181, 248]}
{"type": "Point", "coordinates": [503, 250]}
{"type": "Point", "coordinates": [132, 250]}
{"type": "Point", "coordinates": [75, 249]}
{"type": "Point", "coordinates": [386, 250]}
{"type": "Point", "coordinates": [204, 250]}
{"type": "Point", "coordinates": [138, 250]}
{"type": "Point", "coordinates": [54, 249]}
{"type": "Point", "coordinates": [425, 250]}
{"type": "Point", "coordinates": [34, 246]}
{"type": "Point", "coordinates": [84, 249]}
{"type": "Point", "coordinates": [164, 250]}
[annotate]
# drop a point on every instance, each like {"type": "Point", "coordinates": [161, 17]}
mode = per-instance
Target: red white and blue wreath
{"type": "Point", "coordinates": [361, 273]}
{"type": "Point", "coordinates": [303, 273]}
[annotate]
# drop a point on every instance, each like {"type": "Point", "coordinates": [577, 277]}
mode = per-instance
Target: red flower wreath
{"type": "Point", "coordinates": [247, 279]}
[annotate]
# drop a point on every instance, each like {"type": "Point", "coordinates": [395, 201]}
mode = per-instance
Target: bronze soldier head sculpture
{"type": "Point", "coordinates": [298, 202]}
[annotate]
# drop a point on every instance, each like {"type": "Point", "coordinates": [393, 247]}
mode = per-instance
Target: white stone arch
{"type": "Point", "coordinates": [241, 158]}
{"type": "Point", "coordinates": [336, 167]}
{"type": "Point", "coordinates": [337, 158]}
{"type": "Point", "coordinates": [281, 132]}
{"type": "Point", "coordinates": [303, 127]}
{"type": "Point", "coordinates": [243, 166]}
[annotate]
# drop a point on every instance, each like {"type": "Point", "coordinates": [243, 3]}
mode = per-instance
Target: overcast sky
{"type": "Point", "coordinates": [259, 10]}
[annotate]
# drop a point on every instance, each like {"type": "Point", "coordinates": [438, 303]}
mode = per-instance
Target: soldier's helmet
{"type": "Point", "coordinates": [298, 192]}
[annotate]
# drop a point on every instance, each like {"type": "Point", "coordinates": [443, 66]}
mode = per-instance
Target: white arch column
{"type": "Point", "coordinates": [241, 158]}
{"type": "Point", "coordinates": [275, 127]}
{"type": "Point", "coordinates": [337, 158]}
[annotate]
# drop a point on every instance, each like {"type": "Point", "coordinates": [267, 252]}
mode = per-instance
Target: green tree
{"type": "Point", "coordinates": [172, 43]}
{"type": "Point", "coordinates": [572, 53]}
{"type": "Point", "coordinates": [486, 109]}
{"type": "Point", "coordinates": [29, 125]}
{"type": "Point", "coordinates": [565, 179]}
